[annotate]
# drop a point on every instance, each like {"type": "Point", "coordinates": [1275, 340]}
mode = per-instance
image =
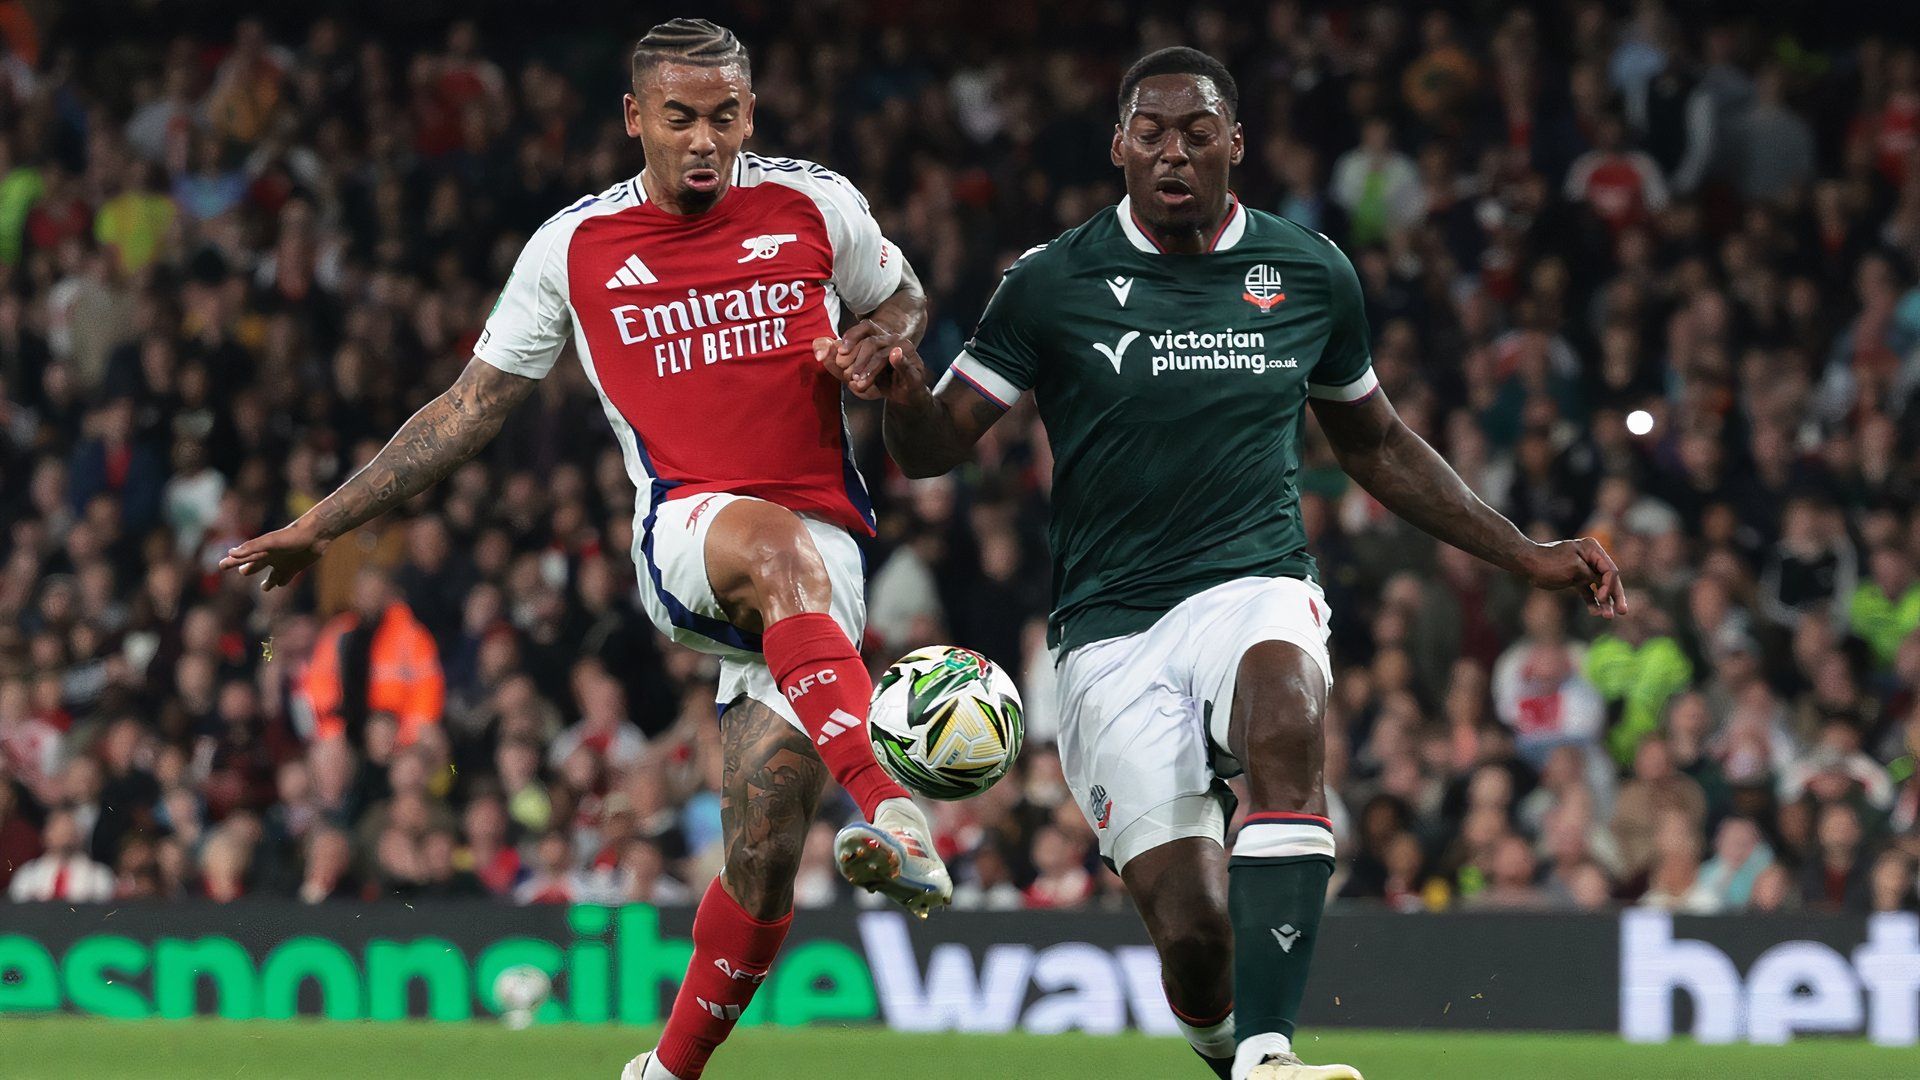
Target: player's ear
{"type": "Point", "coordinates": [630, 108]}
{"type": "Point", "coordinates": [1237, 144]}
{"type": "Point", "coordinates": [746, 116]}
{"type": "Point", "coordinates": [1113, 152]}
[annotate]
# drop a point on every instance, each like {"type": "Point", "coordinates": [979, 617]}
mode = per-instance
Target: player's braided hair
{"type": "Point", "coordinates": [1180, 60]}
{"type": "Point", "coordinates": [689, 41]}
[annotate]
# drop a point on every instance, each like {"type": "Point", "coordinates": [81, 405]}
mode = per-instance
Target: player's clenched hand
{"type": "Point", "coordinates": [1579, 564]}
{"type": "Point", "coordinates": [858, 358]}
{"type": "Point", "coordinates": [282, 554]}
{"type": "Point", "coordinates": [898, 372]}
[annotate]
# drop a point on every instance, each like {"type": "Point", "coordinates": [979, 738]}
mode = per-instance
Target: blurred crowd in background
{"type": "Point", "coordinates": [1639, 272]}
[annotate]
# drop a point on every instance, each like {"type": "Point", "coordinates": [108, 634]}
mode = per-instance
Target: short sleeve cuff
{"type": "Point", "coordinates": [1358, 390]}
{"type": "Point", "coordinates": [504, 359]}
{"type": "Point", "coordinates": [866, 288]}
{"type": "Point", "coordinates": [991, 385]}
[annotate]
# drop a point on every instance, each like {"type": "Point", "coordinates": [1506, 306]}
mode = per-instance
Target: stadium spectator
{"type": "Point", "coordinates": [1645, 802]}
{"type": "Point", "coordinates": [226, 859]}
{"type": "Point", "coordinates": [19, 839]}
{"type": "Point", "coordinates": [644, 877]}
{"type": "Point", "coordinates": [1510, 875]}
{"type": "Point", "coordinates": [553, 880]}
{"type": "Point", "coordinates": [64, 873]}
{"type": "Point", "coordinates": [603, 730]}
{"type": "Point", "coordinates": [1893, 883]}
{"type": "Point", "coordinates": [1377, 185]}
{"type": "Point", "coordinates": [1775, 145]}
{"type": "Point", "coordinates": [441, 876]}
{"type": "Point", "coordinates": [137, 873]}
{"type": "Point", "coordinates": [1839, 875]}
{"type": "Point", "coordinates": [1884, 610]}
{"type": "Point", "coordinates": [376, 657]}
{"type": "Point", "coordinates": [1622, 187]}
{"type": "Point", "coordinates": [1639, 664]}
{"type": "Point", "coordinates": [329, 868]}
{"type": "Point", "coordinates": [1060, 862]}
{"type": "Point", "coordinates": [1813, 569]}
{"type": "Point", "coordinates": [1539, 690]}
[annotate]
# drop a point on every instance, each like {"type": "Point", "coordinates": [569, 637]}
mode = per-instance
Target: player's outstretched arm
{"type": "Point", "coordinates": [927, 433]}
{"type": "Point", "coordinates": [1396, 466]}
{"type": "Point", "coordinates": [428, 447]}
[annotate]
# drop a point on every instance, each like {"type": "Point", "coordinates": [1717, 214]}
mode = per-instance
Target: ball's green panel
{"type": "Point", "coordinates": [945, 722]}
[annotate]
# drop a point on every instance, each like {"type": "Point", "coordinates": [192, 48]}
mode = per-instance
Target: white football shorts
{"type": "Point", "coordinates": [670, 551]}
{"type": "Point", "coordinates": [1143, 718]}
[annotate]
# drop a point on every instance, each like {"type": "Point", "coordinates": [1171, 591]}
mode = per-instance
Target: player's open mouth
{"type": "Point", "coordinates": [703, 179]}
{"type": "Point", "coordinates": [1172, 191]}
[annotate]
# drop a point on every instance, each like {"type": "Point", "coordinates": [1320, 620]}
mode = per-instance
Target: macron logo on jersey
{"type": "Point", "coordinates": [633, 272]}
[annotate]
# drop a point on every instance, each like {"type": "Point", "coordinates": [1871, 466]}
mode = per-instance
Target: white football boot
{"type": "Point", "coordinates": [1287, 1066]}
{"type": "Point", "coordinates": [637, 1069]}
{"type": "Point", "coordinates": [894, 857]}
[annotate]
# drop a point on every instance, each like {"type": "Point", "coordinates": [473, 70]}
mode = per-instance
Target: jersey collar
{"type": "Point", "coordinates": [1231, 230]}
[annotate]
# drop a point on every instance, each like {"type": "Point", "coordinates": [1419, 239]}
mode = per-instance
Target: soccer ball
{"type": "Point", "coordinates": [521, 990]}
{"type": "Point", "coordinates": [945, 722]}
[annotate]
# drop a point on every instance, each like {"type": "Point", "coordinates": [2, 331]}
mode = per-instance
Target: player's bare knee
{"type": "Point", "coordinates": [1279, 704]}
{"type": "Point", "coordinates": [788, 575]}
{"type": "Point", "coordinates": [1196, 958]}
{"type": "Point", "coordinates": [1195, 950]}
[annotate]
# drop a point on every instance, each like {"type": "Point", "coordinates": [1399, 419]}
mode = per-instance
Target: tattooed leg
{"type": "Point", "coordinates": [769, 790]}
{"type": "Point", "coordinates": [771, 784]}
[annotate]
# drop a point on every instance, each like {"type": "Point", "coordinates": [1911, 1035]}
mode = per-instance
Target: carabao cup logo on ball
{"type": "Point", "coordinates": [946, 722]}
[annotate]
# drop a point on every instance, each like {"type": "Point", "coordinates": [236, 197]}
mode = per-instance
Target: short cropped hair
{"type": "Point", "coordinates": [1180, 60]}
{"type": "Point", "coordinates": [689, 41]}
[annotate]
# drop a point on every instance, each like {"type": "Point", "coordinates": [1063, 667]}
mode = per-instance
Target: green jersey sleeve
{"type": "Point", "coordinates": [1002, 359]}
{"type": "Point", "coordinates": [1345, 369]}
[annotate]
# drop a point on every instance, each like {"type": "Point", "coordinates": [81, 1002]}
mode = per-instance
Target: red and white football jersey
{"type": "Point", "coordinates": [698, 330]}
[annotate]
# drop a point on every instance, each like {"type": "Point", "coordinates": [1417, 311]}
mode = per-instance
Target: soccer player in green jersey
{"type": "Point", "coordinates": [1173, 345]}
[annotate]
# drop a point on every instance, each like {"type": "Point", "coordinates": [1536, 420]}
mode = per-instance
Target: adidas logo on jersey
{"type": "Point", "coordinates": [632, 272]}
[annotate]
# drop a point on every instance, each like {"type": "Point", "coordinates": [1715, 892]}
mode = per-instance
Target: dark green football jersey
{"type": "Point", "coordinates": [1173, 388]}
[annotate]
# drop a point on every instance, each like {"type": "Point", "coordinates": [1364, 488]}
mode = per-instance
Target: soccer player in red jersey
{"type": "Point", "coordinates": [693, 294]}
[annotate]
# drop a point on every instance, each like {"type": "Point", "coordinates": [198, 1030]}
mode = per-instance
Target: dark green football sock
{"type": "Point", "coordinates": [1275, 905]}
{"type": "Point", "coordinates": [1222, 1067]}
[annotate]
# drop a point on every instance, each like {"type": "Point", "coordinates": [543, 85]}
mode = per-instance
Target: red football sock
{"type": "Point", "coordinates": [825, 681]}
{"type": "Point", "coordinates": [731, 953]}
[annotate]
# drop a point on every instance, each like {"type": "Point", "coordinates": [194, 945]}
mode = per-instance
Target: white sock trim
{"type": "Point", "coordinates": [1272, 840]}
{"type": "Point", "coordinates": [1215, 1041]}
{"type": "Point", "coordinates": [1255, 1048]}
{"type": "Point", "coordinates": [653, 1070]}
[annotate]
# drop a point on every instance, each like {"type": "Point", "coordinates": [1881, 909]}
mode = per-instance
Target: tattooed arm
{"type": "Point", "coordinates": [427, 448]}
{"type": "Point", "coordinates": [1397, 467]}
